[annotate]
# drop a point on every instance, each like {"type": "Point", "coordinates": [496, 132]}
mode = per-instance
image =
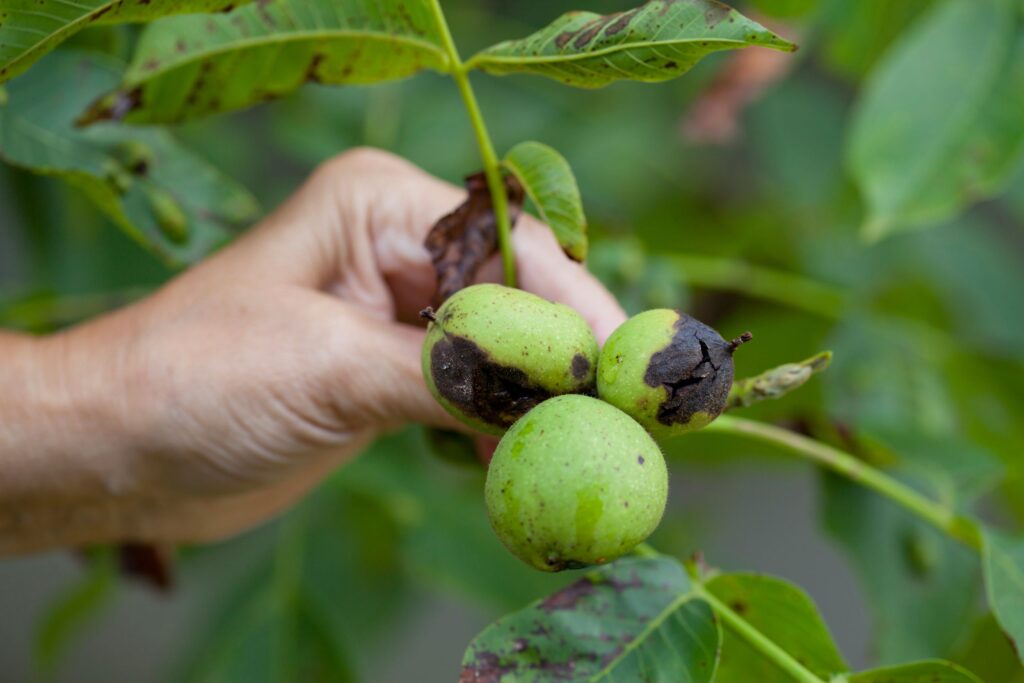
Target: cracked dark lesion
{"type": "Point", "coordinates": [470, 379]}
{"type": "Point", "coordinates": [696, 371]}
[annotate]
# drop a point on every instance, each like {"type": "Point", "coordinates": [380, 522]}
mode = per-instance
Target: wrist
{"type": "Point", "coordinates": [63, 449]}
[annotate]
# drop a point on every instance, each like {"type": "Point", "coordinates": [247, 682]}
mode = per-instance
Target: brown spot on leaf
{"type": "Point", "coordinates": [468, 377]}
{"type": "Point", "coordinates": [460, 242]}
{"type": "Point", "coordinates": [486, 668]}
{"type": "Point", "coordinates": [587, 32]}
{"type": "Point", "coordinates": [112, 107]}
{"type": "Point", "coordinates": [568, 596]}
{"type": "Point", "coordinates": [716, 13]}
{"type": "Point", "coordinates": [739, 607]}
{"type": "Point", "coordinates": [151, 563]}
{"type": "Point", "coordinates": [622, 22]}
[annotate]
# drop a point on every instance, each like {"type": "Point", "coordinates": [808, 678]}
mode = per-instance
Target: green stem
{"type": "Point", "coordinates": [756, 639]}
{"type": "Point", "coordinates": [492, 168]}
{"type": "Point", "coordinates": [763, 283]}
{"type": "Point", "coordinates": [956, 526]}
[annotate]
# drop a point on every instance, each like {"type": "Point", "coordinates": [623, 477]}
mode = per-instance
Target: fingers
{"type": "Point", "coordinates": [545, 270]}
{"type": "Point", "coordinates": [377, 379]}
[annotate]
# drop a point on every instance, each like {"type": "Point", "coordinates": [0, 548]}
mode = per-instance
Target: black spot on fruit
{"type": "Point", "coordinates": [465, 375]}
{"type": "Point", "coordinates": [670, 372]}
{"type": "Point", "coordinates": [580, 366]}
{"type": "Point", "coordinates": [492, 353]}
{"type": "Point", "coordinates": [695, 368]}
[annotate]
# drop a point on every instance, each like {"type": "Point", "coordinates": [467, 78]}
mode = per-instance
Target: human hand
{"type": "Point", "coordinates": [226, 395]}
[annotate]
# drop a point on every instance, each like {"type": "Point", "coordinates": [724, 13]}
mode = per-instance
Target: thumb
{"type": "Point", "coordinates": [378, 377]}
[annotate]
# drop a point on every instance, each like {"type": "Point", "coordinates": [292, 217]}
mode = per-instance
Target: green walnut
{"type": "Point", "coordinates": [492, 353]}
{"type": "Point", "coordinates": [575, 482]}
{"type": "Point", "coordinates": [670, 372]}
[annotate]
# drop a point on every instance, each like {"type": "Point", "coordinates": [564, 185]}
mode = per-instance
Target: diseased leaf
{"type": "Point", "coordinates": [657, 41]}
{"type": "Point", "coordinates": [919, 672]}
{"type": "Point", "coordinates": [1003, 561]}
{"type": "Point", "coordinates": [921, 584]}
{"type": "Point", "coordinates": [633, 620]}
{"type": "Point", "coordinates": [786, 616]}
{"type": "Point", "coordinates": [548, 180]}
{"type": "Point", "coordinates": [151, 563]}
{"type": "Point", "coordinates": [31, 28]}
{"type": "Point", "coordinates": [777, 382]}
{"type": "Point", "coordinates": [461, 241]}
{"type": "Point", "coordinates": [192, 66]}
{"type": "Point", "coordinates": [120, 169]}
{"type": "Point", "coordinates": [940, 124]}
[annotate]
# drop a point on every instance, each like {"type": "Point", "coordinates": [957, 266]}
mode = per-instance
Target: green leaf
{"type": "Point", "coordinates": [989, 654]}
{"type": "Point", "coordinates": [31, 28]}
{"type": "Point", "coordinates": [1003, 561]}
{"type": "Point", "coordinates": [548, 180]}
{"type": "Point", "coordinates": [659, 40]}
{"type": "Point", "coordinates": [192, 66]}
{"type": "Point", "coordinates": [941, 121]}
{"type": "Point", "coordinates": [71, 612]}
{"type": "Point", "coordinates": [786, 616]}
{"type": "Point", "coordinates": [161, 194]}
{"type": "Point", "coordinates": [922, 585]}
{"type": "Point", "coordinates": [635, 619]}
{"type": "Point", "coordinates": [919, 672]}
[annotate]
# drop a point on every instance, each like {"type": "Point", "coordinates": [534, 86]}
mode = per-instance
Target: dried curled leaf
{"type": "Point", "coordinates": [461, 241]}
{"type": "Point", "coordinates": [150, 563]}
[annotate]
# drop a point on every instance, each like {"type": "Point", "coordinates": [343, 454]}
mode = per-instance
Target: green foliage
{"type": "Point", "coordinates": [922, 672]}
{"type": "Point", "coordinates": [635, 619]}
{"type": "Point", "coordinates": [756, 234]}
{"type": "Point", "coordinates": [551, 186]}
{"type": "Point", "coordinates": [783, 613]}
{"type": "Point", "coordinates": [31, 28]}
{"type": "Point", "coordinates": [922, 585]}
{"type": "Point", "coordinates": [939, 124]}
{"type": "Point", "coordinates": [1003, 561]}
{"type": "Point", "coordinates": [73, 610]}
{"type": "Point", "coordinates": [659, 40]}
{"type": "Point", "coordinates": [192, 66]}
{"type": "Point", "coordinates": [172, 202]}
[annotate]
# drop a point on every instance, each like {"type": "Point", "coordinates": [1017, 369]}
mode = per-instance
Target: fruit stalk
{"type": "Point", "coordinates": [956, 526]}
{"type": "Point", "coordinates": [492, 167]}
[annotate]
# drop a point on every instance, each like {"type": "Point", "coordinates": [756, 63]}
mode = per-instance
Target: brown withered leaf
{"type": "Point", "coordinates": [463, 240]}
{"type": "Point", "coordinates": [149, 563]}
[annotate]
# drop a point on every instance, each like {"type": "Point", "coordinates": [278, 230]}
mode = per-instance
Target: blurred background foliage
{"type": "Point", "coordinates": [726, 193]}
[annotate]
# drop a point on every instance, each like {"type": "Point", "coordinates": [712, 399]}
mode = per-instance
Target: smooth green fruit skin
{"type": "Point", "coordinates": [622, 366]}
{"type": "Point", "coordinates": [575, 482]}
{"type": "Point", "coordinates": [516, 329]}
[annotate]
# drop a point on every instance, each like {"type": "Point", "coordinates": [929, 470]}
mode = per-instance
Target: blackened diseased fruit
{"type": "Point", "coordinates": [575, 482]}
{"type": "Point", "coordinates": [492, 353]}
{"type": "Point", "coordinates": [670, 372]}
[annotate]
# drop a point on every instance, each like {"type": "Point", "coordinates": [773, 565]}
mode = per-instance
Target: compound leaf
{"type": "Point", "coordinates": [191, 66]}
{"type": "Point", "coordinates": [657, 41]}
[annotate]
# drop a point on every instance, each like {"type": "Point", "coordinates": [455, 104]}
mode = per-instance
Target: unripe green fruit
{"type": "Point", "coordinates": [492, 353]}
{"type": "Point", "coordinates": [575, 482]}
{"type": "Point", "coordinates": [670, 372]}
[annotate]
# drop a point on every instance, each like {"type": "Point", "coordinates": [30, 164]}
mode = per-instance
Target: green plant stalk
{"type": "Point", "coordinates": [956, 526]}
{"type": "Point", "coordinates": [756, 639]}
{"type": "Point", "coordinates": [492, 167]}
{"type": "Point", "coordinates": [776, 286]}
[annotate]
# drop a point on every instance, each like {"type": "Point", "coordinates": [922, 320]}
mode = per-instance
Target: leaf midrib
{"type": "Point", "coordinates": [652, 625]}
{"type": "Point", "coordinates": [275, 38]}
{"type": "Point", "coordinates": [63, 29]}
{"type": "Point", "coordinates": [487, 56]}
